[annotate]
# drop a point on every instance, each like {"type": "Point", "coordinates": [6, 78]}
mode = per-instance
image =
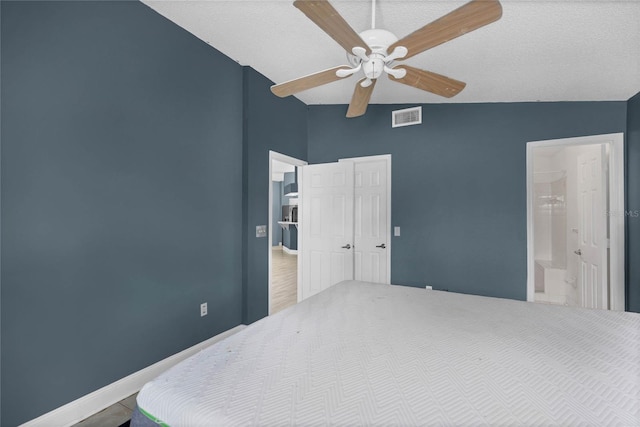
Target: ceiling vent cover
{"type": "Point", "coordinates": [406, 117]}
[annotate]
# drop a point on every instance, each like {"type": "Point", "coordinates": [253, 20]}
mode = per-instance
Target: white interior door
{"type": "Point", "coordinates": [592, 231]}
{"type": "Point", "coordinates": [327, 215]}
{"type": "Point", "coordinates": [370, 226]}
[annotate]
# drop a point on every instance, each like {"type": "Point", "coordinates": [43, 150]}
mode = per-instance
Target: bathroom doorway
{"type": "Point", "coordinates": [283, 231]}
{"type": "Point", "coordinates": [575, 222]}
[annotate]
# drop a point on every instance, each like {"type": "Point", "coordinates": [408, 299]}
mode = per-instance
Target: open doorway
{"type": "Point", "coordinates": [575, 239]}
{"type": "Point", "coordinates": [283, 231]}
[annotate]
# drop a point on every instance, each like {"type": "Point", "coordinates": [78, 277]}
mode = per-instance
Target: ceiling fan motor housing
{"type": "Point", "coordinates": [378, 41]}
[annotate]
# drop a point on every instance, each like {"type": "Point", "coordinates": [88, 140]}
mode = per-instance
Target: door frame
{"type": "Point", "coordinates": [274, 155]}
{"type": "Point", "coordinates": [387, 159]}
{"type": "Point", "coordinates": [615, 209]}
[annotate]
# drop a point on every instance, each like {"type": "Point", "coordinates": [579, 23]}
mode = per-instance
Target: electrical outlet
{"type": "Point", "coordinates": [396, 231]}
{"type": "Point", "coordinates": [429, 287]}
{"type": "Point", "coordinates": [203, 309]}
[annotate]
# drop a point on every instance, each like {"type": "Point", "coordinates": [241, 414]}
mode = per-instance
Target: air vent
{"type": "Point", "coordinates": [406, 117]}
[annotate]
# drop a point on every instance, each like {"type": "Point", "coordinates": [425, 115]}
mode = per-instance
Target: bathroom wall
{"type": "Point", "coordinates": [571, 159]}
{"type": "Point", "coordinates": [559, 211]}
{"type": "Point", "coordinates": [550, 206]}
{"type": "Point", "coordinates": [542, 221]}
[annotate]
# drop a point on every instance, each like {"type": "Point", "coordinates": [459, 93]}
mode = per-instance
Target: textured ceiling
{"type": "Point", "coordinates": [578, 50]}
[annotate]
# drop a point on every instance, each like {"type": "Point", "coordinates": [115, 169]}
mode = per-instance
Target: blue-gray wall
{"type": "Point", "coordinates": [459, 182]}
{"type": "Point", "coordinates": [270, 123]}
{"type": "Point", "coordinates": [633, 203]}
{"type": "Point", "coordinates": [121, 134]}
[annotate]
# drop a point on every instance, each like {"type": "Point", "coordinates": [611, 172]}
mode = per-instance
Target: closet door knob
{"type": "Point", "coordinates": [347, 246]}
{"type": "Point", "coordinates": [382, 246]}
{"type": "Point", "coordinates": [578, 252]}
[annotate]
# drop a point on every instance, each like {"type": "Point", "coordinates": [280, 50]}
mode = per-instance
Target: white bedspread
{"type": "Point", "coordinates": [362, 353]}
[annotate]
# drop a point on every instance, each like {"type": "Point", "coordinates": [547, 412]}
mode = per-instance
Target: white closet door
{"type": "Point", "coordinates": [371, 234]}
{"type": "Point", "coordinates": [327, 215]}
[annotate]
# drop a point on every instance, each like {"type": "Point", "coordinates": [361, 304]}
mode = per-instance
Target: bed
{"type": "Point", "coordinates": [363, 353]}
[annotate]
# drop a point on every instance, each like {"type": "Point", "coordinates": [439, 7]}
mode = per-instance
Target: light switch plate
{"type": "Point", "coordinates": [261, 231]}
{"type": "Point", "coordinates": [396, 231]}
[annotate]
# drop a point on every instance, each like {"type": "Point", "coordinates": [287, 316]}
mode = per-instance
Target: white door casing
{"type": "Point", "coordinates": [592, 229]}
{"type": "Point", "coordinates": [370, 226]}
{"type": "Point", "coordinates": [327, 232]}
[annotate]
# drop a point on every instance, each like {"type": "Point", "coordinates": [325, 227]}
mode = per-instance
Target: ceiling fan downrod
{"type": "Point", "coordinates": [373, 14]}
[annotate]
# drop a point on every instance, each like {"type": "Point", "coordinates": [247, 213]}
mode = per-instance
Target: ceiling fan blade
{"type": "Point", "coordinates": [467, 18]}
{"type": "Point", "coordinates": [329, 20]}
{"type": "Point", "coordinates": [429, 81]}
{"type": "Point", "coordinates": [360, 99]}
{"type": "Point", "coordinates": [308, 82]}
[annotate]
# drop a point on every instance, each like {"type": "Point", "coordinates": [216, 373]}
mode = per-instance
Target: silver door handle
{"type": "Point", "coordinates": [382, 246]}
{"type": "Point", "coordinates": [578, 252]}
{"type": "Point", "coordinates": [347, 246]}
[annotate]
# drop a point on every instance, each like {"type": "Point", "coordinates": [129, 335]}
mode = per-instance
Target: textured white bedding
{"type": "Point", "coordinates": [361, 353]}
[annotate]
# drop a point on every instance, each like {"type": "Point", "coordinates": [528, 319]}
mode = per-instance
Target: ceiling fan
{"type": "Point", "coordinates": [375, 51]}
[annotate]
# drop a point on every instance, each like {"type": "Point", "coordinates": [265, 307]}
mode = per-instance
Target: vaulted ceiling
{"type": "Point", "coordinates": [563, 50]}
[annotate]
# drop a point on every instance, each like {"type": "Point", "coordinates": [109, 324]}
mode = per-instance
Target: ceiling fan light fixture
{"type": "Point", "coordinates": [346, 72]}
{"type": "Point", "coordinates": [366, 82]}
{"type": "Point", "coordinates": [360, 53]}
{"type": "Point", "coordinates": [398, 53]}
{"type": "Point", "coordinates": [397, 73]}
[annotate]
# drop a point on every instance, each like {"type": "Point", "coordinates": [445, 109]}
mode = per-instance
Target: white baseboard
{"type": "Point", "coordinates": [290, 251]}
{"type": "Point", "coordinates": [94, 402]}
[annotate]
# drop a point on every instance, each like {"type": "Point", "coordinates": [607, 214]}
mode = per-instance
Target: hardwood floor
{"type": "Point", "coordinates": [284, 279]}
